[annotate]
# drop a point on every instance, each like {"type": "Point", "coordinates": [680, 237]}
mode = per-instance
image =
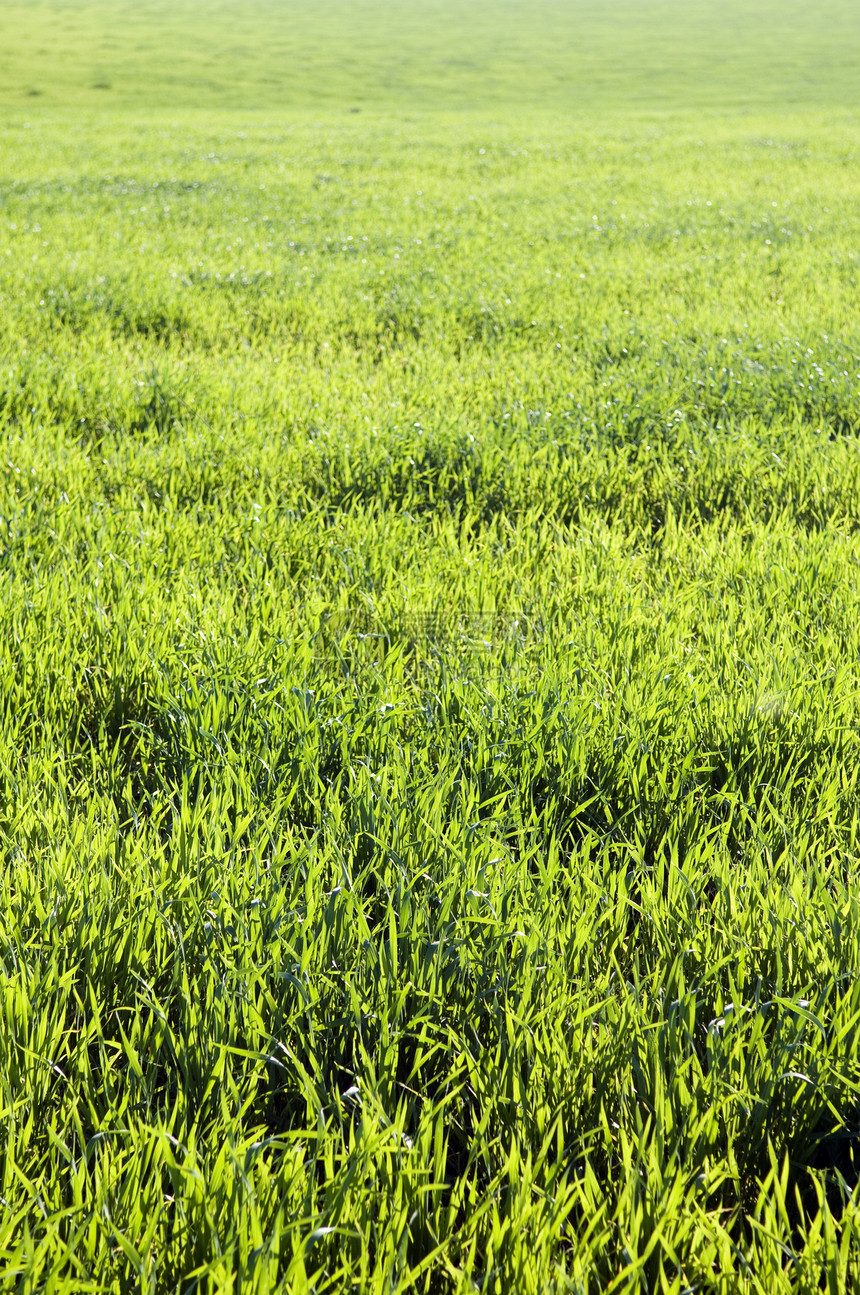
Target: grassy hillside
{"type": "Point", "coordinates": [429, 709]}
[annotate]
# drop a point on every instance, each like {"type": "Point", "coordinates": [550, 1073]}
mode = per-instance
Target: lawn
{"type": "Point", "coordinates": [429, 638]}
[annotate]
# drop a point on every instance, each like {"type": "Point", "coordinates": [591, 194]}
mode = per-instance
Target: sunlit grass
{"type": "Point", "coordinates": [429, 716]}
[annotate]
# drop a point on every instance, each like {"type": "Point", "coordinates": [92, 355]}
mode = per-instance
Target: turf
{"type": "Point", "coordinates": [429, 737]}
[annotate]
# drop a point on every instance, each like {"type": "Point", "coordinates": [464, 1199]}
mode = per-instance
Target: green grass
{"type": "Point", "coordinates": [313, 55]}
{"type": "Point", "coordinates": [430, 717]}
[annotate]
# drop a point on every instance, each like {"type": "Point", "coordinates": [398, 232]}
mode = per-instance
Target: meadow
{"type": "Point", "coordinates": [430, 717]}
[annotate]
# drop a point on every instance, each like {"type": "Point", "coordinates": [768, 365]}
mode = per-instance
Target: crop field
{"type": "Point", "coordinates": [429, 639]}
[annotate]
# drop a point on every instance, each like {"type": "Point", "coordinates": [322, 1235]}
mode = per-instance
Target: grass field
{"type": "Point", "coordinates": [430, 711]}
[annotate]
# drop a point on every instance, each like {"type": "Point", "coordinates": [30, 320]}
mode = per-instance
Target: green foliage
{"type": "Point", "coordinates": [429, 746]}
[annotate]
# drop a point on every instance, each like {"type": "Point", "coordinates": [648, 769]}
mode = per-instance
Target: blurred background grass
{"type": "Point", "coordinates": [568, 55]}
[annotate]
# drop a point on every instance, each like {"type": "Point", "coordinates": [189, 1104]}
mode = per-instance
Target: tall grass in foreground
{"type": "Point", "coordinates": [429, 740]}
